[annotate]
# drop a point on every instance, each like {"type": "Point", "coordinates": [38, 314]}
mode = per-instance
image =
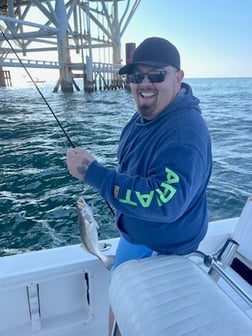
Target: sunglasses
{"type": "Point", "coordinates": [153, 76]}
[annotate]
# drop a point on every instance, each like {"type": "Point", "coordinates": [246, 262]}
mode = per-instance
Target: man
{"type": "Point", "coordinates": [164, 156]}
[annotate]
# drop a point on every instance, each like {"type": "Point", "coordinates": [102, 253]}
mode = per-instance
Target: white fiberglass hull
{"type": "Point", "coordinates": [64, 291]}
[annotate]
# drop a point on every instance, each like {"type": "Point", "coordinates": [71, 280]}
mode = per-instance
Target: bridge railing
{"type": "Point", "coordinates": [14, 62]}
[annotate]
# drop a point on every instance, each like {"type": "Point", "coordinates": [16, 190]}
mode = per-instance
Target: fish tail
{"type": "Point", "coordinates": [108, 261]}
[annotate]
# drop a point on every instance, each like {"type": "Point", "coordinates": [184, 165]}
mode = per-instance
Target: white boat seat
{"type": "Point", "coordinates": [170, 295]}
{"type": "Point", "coordinates": [243, 232]}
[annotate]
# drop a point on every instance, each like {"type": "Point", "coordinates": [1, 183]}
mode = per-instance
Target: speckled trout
{"type": "Point", "coordinates": [89, 235]}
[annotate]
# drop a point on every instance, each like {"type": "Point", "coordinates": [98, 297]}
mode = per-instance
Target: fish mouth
{"type": "Point", "coordinates": [81, 203]}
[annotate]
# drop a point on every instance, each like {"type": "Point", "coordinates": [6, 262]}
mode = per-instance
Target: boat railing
{"type": "Point", "coordinates": [217, 264]}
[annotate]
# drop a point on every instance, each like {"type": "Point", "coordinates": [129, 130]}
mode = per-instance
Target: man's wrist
{"type": "Point", "coordinates": [82, 169]}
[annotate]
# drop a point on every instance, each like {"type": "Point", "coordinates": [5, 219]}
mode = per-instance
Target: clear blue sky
{"type": "Point", "coordinates": [214, 37]}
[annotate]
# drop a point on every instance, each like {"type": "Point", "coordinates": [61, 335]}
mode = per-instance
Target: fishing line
{"type": "Point", "coordinates": [46, 102]}
{"type": "Point", "coordinates": [38, 89]}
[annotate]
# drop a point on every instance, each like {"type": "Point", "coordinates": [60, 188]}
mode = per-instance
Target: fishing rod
{"type": "Point", "coordinates": [38, 89]}
{"type": "Point", "coordinates": [46, 102]}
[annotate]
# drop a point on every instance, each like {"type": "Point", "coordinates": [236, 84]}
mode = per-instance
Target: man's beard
{"type": "Point", "coordinates": [145, 111]}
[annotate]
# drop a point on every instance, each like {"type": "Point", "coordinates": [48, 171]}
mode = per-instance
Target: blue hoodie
{"type": "Point", "coordinates": [159, 190]}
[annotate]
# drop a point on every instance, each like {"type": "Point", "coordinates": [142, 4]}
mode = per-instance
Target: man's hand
{"type": "Point", "coordinates": [78, 161]}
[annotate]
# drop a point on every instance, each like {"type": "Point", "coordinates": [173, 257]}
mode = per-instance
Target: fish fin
{"type": "Point", "coordinates": [87, 223]}
{"type": "Point", "coordinates": [107, 260]}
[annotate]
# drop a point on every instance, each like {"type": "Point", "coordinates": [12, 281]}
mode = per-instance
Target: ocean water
{"type": "Point", "coordinates": [38, 196]}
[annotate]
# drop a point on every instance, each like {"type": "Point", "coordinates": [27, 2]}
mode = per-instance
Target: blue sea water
{"type": "Point", "coordinates": [38, 196]}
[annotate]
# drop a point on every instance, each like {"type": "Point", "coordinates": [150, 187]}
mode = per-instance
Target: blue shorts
{"type": "Point", "coordinates": [127, 251]}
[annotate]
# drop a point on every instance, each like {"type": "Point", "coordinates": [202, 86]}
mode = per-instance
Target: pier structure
{"type": "Point", "coordinates": [80, 38]}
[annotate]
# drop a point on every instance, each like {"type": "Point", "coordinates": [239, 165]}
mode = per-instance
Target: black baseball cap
{"type": "Point", "coordinates": [155, 52]}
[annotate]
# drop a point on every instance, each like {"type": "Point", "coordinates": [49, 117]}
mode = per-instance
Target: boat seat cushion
{"type": "Point", "coordinates": [170, 295]}
{"type": "Point", "coordinates": [243, 232]}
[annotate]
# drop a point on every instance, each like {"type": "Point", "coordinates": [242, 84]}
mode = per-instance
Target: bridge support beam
{"type": "Point", "coordinates": [2, 78]}
{"type": "Point", "coordinates": [89, 85]}
{"type": "Point", "coordinates": [66, 77]}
